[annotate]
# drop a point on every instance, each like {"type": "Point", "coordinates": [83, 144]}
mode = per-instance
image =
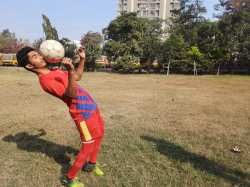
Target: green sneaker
{"type": "Point", "coordinates": [92, 167]}
{"type": "Point", "coordinates": [72, 182]}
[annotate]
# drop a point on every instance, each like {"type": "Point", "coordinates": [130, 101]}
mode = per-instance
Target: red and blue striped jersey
{"type": "Point", "coordinates": [56, 82]}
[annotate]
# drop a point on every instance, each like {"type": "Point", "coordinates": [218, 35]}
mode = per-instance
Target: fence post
{"type": "Point", "coordinates": [168, 67]}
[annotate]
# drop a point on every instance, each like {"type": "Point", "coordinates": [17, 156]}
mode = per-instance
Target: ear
{"type": "Point", "coordinates": [29, 66]}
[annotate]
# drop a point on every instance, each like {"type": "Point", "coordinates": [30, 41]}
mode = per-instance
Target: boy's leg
{"type": "Point", "coordinates": [96, 147]}
{"type": "Point", "coordinates": [86, 151]}
{"type": "Point", "coordinates": [92, 165]}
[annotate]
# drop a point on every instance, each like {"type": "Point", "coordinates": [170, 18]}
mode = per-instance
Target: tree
{"type": "Point", "coordinates": [93, 51]}
{"type": "Point", "coordinates": [127, 33]}
{"type": "Point", "coordinates": [219, 56]}
{"type": "Point", "coordinates": [174, 48]}
{"type": "Point", "coordinates": [202, 61]}
{"type": "Point", "coordinates": [36, 44]}
{"type": "Point", "coordinates": [152, 40]}
{"type": "Point", "coordinates": [50, 32]}
{"type": "Point", "coordinates": [70, 48]}
{"type": "Point", "coordinates": [227, 7]}
{"type": "Point", "coordinates": [9, 43]}
{"type": "Point", "coordinates": [234, 35]}
{"type": "Point", "coordinates": [207, 36]}
{"type": "Point", "coordinates": [188, 17]}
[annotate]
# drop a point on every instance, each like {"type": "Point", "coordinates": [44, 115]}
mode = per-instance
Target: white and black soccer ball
{"type": "Point", "coordinates": [52, 51]}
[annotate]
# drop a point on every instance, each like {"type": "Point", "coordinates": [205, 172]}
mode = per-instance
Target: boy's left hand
{"type": "Point", "coordinates": [81, 52]}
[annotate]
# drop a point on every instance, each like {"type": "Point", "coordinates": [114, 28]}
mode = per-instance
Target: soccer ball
{"type": "Point", "coordinates": [52, 51]}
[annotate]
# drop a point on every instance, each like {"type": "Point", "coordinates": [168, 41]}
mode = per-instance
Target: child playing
{"type": "Point", "coordinates": [82, 108]}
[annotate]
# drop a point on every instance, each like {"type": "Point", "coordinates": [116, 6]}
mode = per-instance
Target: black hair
{"type": "Point", "coordinates": [22, 56]}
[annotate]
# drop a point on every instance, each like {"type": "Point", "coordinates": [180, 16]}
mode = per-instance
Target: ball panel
{"type": "Point", "coordinates": [57, 46]}
{"type": "Point", "coordinates": [52, 51]}
{"type": "Point", "coordinates": [49, 47]}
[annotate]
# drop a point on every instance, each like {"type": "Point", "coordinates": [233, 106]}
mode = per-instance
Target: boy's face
{"type": "Point", "coordinates": [36, 61]}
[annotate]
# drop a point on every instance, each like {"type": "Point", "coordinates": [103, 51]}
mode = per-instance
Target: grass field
{"type": "Point", "coordinates": [161, 131]}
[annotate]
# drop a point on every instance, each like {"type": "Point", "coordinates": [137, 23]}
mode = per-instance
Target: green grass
{"type": "Point", "coordinates": [161, 130]}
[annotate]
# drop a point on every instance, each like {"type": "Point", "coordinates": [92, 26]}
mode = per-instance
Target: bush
{"type": "Point", "coordinates": [124, 64]}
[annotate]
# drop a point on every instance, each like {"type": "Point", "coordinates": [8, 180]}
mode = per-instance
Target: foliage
{"type": "Point", "coordinates": [194, 53]}
{"type": "Point", "coordinates": [152, 46]}
{"type": "Point", "coordinates": [207, 36]}
{"type": "Point", "coordinates": [227, 7]}
{"type": "Point", "coordinates": [92, 41]}
{"type": "Point", "coordinates": [36, 44]}
{"type": "Point", "coordinates": [70, 48]}
{"type": "Point", "coordinates": [124, 64]}
{"type": "Point", "coordinates": [234, 34]}
{"type": "Point", "coordinates": [126, 33]}
{"type": "Point", "coordinates": [93, 51]}
{"type": "Point", "coordinates": [9, 43]}
{"type": "Point", "coordinates": [50, 32]}
{"type": "Point", "coordinates": [174, 48]}
{"type": "Point", "coordinates": [188, 17]}
{"type": "Point", "coordinates": [91, 37]}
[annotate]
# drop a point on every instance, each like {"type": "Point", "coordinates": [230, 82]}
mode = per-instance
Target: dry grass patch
{"type": "Point", "coordinates": [160, 130]}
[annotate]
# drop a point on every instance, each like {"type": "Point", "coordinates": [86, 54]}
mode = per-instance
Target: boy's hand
{"type": "Point", "coordinates": [81, 52]}
{"type": "Point", "coordinates": [67, 63]}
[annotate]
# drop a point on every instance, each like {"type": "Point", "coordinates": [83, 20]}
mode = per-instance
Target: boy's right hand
{"type": "Point", "coordinates": [67, 63]}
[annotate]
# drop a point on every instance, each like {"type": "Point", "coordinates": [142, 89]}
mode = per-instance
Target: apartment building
{"type": "Point", "coordinates": [150, 9]}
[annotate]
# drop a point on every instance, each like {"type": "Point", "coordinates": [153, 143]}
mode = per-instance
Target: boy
{"type": "Point", "coordinates": [82, 108]}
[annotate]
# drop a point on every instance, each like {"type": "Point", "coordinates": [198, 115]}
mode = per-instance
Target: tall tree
{"type": "Point", "coordinates": [207, 36]}
{"type": "Point", "coordinates": [9, 43]}
{"type": "Point", "coordinates": [174, 48]}
{"type": "Point", "coordinates": [226, 7]}
{"type": "Point", "coordinates": [50, 32]}
{"type": "Point", "coordinates": [188, 17]}
{"type": "Point", "coordinates": [127, 33]}
{"type": "Point", "coordinates": [152, 40]}
{"type": "Point", "coordinates": [234, 36]}
{"type": "Point", "coordinates": [93, 51]}
{"type": "Point", "coordinates": [37, 42]}
{"type": "Point", "coordinates": [70, 48]}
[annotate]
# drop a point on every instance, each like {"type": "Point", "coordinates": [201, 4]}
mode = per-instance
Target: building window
{"type": "Point", "coordinates": [151, 6]}
{"type": "Point", "coordinates": [157, 5]}
{"type": "Point", "coordinates": [125, 11]}
{"type": "Point", "coordinates": [170, 26]}
{"type": "Point", "coordinates": [139, 13]}
{"type": "Point", "coordinates": [139, 5]}
{"type": "Point", "coordinates": [144, 13]}
{"type": "Point", "coordinates": [177, 5]}
{"type": "Point", "coordinates": [151, 13]}
{"type": "Point", "coordinates": [171, 12]}
{"type": "Point", "coordinates": [144, 6]}
{"type": "Point", "coordinates": [157, 12]}
{"type": "Point", "coordinates": [119, 7]}
{"type": "Point", "coordinates": [125, 6]}
{"type": "Point", "coordinates": [172, 5]}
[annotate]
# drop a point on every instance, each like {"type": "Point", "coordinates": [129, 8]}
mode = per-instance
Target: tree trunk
{"type": "Point", "coordinates": [230, 67]}
{"type": "Point", "coordinates": [94, 67]}
{"type": "Point", "coordinates": [218, 71]}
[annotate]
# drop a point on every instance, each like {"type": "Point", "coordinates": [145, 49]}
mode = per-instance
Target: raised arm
{"type": "Point", "coordinates": [71, 90]}
{"type": "Point", "coordinates": [79, 71]}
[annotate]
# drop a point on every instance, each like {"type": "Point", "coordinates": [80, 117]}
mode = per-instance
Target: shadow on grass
{"type": "Point", "coordinates": [32, 143]}
{"type": "Point", "coordinates": [199, 162]}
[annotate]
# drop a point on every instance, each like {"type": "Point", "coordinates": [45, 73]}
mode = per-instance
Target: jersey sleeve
{"type": "Point", "coordinates": [54, 87]}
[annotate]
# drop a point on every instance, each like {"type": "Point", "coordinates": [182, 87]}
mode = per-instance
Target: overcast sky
{"type": "Point", "coordinates": [71, 18]}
